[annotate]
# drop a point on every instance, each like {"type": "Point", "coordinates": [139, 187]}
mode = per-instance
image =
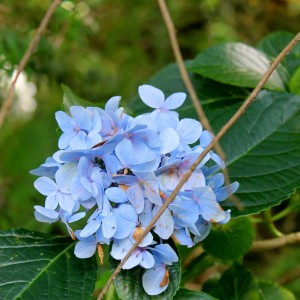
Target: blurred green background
{"type": "Point", "coordinates": [100, 49]}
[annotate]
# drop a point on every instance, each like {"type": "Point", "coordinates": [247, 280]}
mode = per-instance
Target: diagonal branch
{"type": "Point", "coordinates": [189, 86]}
{"type": "Point", "coordinates": [7, 103]}
{"type": "Point", "coordinates": [186, 176]}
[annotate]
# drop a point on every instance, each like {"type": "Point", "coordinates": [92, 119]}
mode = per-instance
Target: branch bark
{"type": "Point", "coordinates": [289, 239]}
{"type": "Point", "coordinates": [7, 103]}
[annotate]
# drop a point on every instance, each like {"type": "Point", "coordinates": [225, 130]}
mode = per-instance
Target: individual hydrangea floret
{"type": "Point", "coordinates": [115, 171]}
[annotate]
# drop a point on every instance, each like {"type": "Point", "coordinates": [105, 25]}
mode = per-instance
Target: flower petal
{"type": "Point", "coordinates": [152, 280]}
{"type": "Point", "coordinates": [175, 100]}
{"type": "Point", "coordinates": [151, 96]}
{"type": "Point", "coordinates": [45, 185]}
{"type": "Point", "coordinates": [85, 249]}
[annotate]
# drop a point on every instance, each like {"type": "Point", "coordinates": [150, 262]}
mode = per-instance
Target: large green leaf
{"type": "Point", "coordinates": [275, 42]}
{"type": "Point", "coordinates": [236, 64]}
{"type": "Point", "coordinates": [129, 282]}
{"type": "Point", "coordinates": [234, 239]}
{"type": "Point", "coordinates": [262, 150]}
{"type": "Point", "coordinates": [237, 283]}
{"type": "Point", "coordinates": [184, 294]}
{"type": "Point", "coordinates": [38, 266]}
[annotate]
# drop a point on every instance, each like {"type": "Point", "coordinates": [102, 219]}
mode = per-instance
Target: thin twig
{"type": "Point", "coordinates": [7, 103]}
{"type": "Point", "coordinates": [189, 86]}
{"type": "Point", "coordinates": [289, 239]}
{"type": "Point", "coordinates": [186, 176]}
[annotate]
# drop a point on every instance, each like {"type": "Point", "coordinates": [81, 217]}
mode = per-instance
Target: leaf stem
{"type": "Point", "coordinates": [270, 225]}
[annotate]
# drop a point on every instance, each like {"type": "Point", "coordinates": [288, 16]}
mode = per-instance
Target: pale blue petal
{"type": "Point", "coordinates": [167, 119]}
{"type": "Point", "coordinates": [147, 260]}
{"type": "Point", "coordinates": [164, 226]}
{"type": "Point", "coordinates": [152, 192]}
{"type": "Point", "coordinates": [227, 218]}
{"type": "Point", "coordinates": [64, 121]}
{"type": "Point", "coordinates": [217, 159]}
{"type": "Point", "coordinates": [127, 220]}
{"type": "Point", "coordinates": [45, 185]}
{"type": "Point", "coordinates": [174, 101]}
{"type": "Point", "coordinates": [51, 201]}
{"type": "Point", "coordinates": [169, 139]}
{"type": "Point", "coordinates": [183, 238]}
{"type": "Point", "coordinates": [224, 192]}
{"type": "Point", "coordinates": [203, 228]}
{"type": "Point", "coordinates": [216, 181]}
{"type": "Point", "coordinates": [65, 139]}
{"type": "Point", "coordinates": [43, 214]}
{"type": "Point", "coordinates": [152, 280]}
{"type": "Point", "coordinates": [125, 179]}
{"type": "Point", "coordinates": [148, 166]}
{"type": "Point", "coordinates": [76, 217]}
{"type": "Point", "coordinates": [116, 195]}
{"type": "Point", "coordinates": [134, 259]}
{"type": "Point", "coordinates": [124, 152]}
{"type": "Point", "coordinates": [79, 141]}
{"type": "Point", "coordinates": [205, 138]}
{"type": "Point", "coordinates": [209, 207]}
{"type": "Point", "coordinates": [113, 103]}
{"type": "Point", "coordinates": [120, 248]}
{"type": "Point", "coordinates": [82, 117]}
{"type": "Point", "coordinates": [146, 216]}
{"type": "Point", "coordinates": [64, 177]}
{"type": "Point", "coordinates": [90, 228]}
{"type": "Point", "coordinates": [166, 253]}
{"type": "Point", "coordinates": [109, 226]}
{"type": "Point", "coordinates": [189, 130]}
{"type": "Point", "coordinates": [151, 96]}
{"type": "Point", "coordinates": [136, 197]}
{"type": "Point", "coordinates": [66, 202]}
{"type": "Point", "coordinates": [85, 249]}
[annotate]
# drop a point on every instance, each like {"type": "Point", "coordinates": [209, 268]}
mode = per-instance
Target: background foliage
{"type": "Point", "coordinates": [103, 48]}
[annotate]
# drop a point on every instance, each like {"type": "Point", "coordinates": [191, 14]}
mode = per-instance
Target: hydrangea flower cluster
{"type": "Point", "coordinates": [117, 171]}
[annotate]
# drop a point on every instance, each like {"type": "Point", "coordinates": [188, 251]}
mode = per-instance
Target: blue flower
{"type": "Point", "coordinates": [140, 256]}
{"type": "Point", "coordinates": [163, 115]}
{"type": "Point", "coordinates": [142, 185]}
{"type": "Point", "coordinates": [81, 131]}
{"type": "Point", "coordinates": [156, 280]}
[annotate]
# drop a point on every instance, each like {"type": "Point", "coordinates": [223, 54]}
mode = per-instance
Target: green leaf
{"type": "Point", "coordinates": [236, 64]}
{"type": "Point", "coordinates": [38, 266]}
{"type": "Point", "coordinates": [184, 294]}
{"type": "Point", "coordinates": [129, 282]}
{"type": "Point", "coordinates": [262, 150]}
{"type": "Point", "coordinates": [237, 283]}
{"type": "Point", "coordinates": [70, 99]}
{"type": "Point", "coordinates": [275, 42]}
{"type": "Point", "coordinates": [234, 239]}
{"type": "Point", "coordinates": [294, 83]}
{"type": "Point", "coordinates": [272, 290]}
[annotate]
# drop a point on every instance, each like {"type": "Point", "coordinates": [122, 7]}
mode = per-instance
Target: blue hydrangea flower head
{"type": "Point", "coordinates": [114, 172]}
